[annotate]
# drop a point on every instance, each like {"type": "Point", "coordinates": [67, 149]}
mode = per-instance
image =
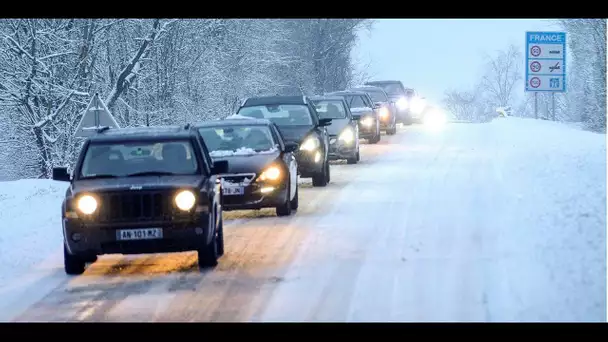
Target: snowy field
{"type": "Point", "coordinates": [502, 221]}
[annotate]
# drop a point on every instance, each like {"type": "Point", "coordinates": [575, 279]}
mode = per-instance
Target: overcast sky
{"type": "Point", "coordinates": [433, 55]}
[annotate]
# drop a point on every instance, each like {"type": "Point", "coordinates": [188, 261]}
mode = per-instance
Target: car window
{"type": "Point", "coordinates": [282, 115]}
{"type": "Point", "coordinates": [240, 140]}
{"type": "Point", "coordinates": [330, 109]}
{"type": "Point", "coordinates": [123, 159]}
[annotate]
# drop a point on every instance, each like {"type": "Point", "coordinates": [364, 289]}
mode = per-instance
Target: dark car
{"type": "Point", "coordinates": [343, 131]}
{"type": "Point", "coordinates": [386, 109]}
{"type": "Point", "coordinates": [142, 190]}
{"type": "Point", "coordinates": [262, 170]}
{"type": "Point", "coordinates": [298, 122]}
{"type": "Point", "coordinates": [361, 107]}
{"type": "Point", "coordinates": [410, 105]}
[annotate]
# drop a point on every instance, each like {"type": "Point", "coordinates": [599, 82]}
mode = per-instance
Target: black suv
{"type": "Point", "coordinates": [343, 131]}
{"type": "Point", "coordinates": [298, 122]}
{"type": "Point", "coordinates": [142, 190]}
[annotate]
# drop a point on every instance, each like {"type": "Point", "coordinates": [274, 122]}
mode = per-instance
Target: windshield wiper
{"type": "Point", "coordinates": [151, 173]}
{"type": "Point", "coordinates": [99, 176]}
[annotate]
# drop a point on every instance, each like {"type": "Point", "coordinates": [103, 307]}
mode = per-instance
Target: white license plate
{"type": "Point", "coordinates": [332, 141]}
{"type": "Point", "coordinates": [234, 190]}
{"type": "Point", "coordinates": [140, 234]}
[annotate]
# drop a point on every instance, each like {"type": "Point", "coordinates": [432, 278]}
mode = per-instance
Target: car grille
{"type": "Point", "coordinates": [241, 178]}
{"type": "Point", "coordinates": [135, 206]}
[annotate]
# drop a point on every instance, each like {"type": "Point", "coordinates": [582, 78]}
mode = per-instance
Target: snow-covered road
{"type": "Point", "coordinates": [504, 221]}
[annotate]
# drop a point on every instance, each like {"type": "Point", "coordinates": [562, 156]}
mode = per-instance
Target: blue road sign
{"type": "Point", "coordinates": [546, 61]}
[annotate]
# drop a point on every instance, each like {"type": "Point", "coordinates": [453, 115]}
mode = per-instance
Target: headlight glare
{"type": "Point", "coordinates": [272, 173]}
{"type": "Point", "coordinates": [185, 200]}
{"type": "Point", "coordinates": [383, 113]}
{"type": "Point", "coordinates": [87, 204]}
{"type": "Point", "coordinates": [310, 144]}
{"type": "Point", "coordinates": [367, 122]}
{"type": "Point", "coordinates": [347, 135]}
{"type": "Point", "coordinates": [402, 103]}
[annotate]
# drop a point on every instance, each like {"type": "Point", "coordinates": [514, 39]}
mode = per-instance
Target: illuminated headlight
{"type": "Point", "coordinates": [402, 103]}
{"type": "Point", "coordinates": [185, 200]}
{"type": "Point", "coordinates": [310, 144]}
{"type": "Point", "coordinates": [367, 122]}
{"type": "Point", "coordinates": [272, 173]}
{"type": "Point", "coordinates": [347, 136]}
{"type": "Point", "coordinates": [87, 204]}
{"type": "Point", "coordinates": [418, 105]}
{"type": "Point", "coordinates": [383, 113]}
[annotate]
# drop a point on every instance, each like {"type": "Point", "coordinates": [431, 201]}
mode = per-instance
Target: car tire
{"type": "Point", "coordinates": [72, 264]}
{"type": "Point", "coordinates": [285, 208]}
{"type": "Point", "coordinates": [91, 259]}
{"type": "Point", "coordinates": [323, 178]}
{"type": "Point", "coordinates": [207, 256]}
{"type": "Point", "coordinates": [355, 158]}
{"type": "Point", "coordinates": [295, 202]}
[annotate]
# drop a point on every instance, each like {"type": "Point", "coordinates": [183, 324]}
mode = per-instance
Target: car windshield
{"type": "Point", "coordinates": [330, 109]}
{"type": "Point", "coordinates": [237, 140]}
{"type": "Point", "coordinates": [280, 114]}
{"type": "Point", "coordinates": [377, 95]}
{"type": "Point", "coordinates": [132, 158]}
{"type": "Point", "coordinates": [355, 101]}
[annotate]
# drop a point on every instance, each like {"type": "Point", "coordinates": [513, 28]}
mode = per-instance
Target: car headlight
{"type": "Point", "coordinates": [310, 144]}
{"type": "Point", "coordinates": [185, 200]}
{"type": "Point", "coordinates": [272, 173]}
{"type": "Point", "coordinates": [367, 122]}
{"type": "Point", "coordinates": [383, 113]}
{"type": "Point", "coordinates": [347, 135]}
{"type": "Point", "coordinates": [402, 103]}
{"type": "Point", "coordinates": [87, 204]}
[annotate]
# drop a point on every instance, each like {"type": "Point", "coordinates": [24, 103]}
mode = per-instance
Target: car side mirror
{"type": "Point", "coordinates": [377, 105]}
{"type": "Point", "coordinates": [61, 174]}
{"type": "Point", "coordinates": [291, 147]}
{"type": "Point", "coordinates": [324, 122]}
{"type": "Point", "coordinates": [219, 167]}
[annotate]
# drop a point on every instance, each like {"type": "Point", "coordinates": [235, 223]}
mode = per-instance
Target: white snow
{"type": "Point", "coordinates": [243, 151]}
{"type": "Point", "coordinates": [30, 234]}
{"type": "Point", "coordinates": [360, 109]}
{"type": "Point", "coordinates": [504, 221]}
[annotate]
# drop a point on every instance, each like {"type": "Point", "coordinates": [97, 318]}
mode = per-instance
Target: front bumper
{"type": "Point", "coordinates": [253, 198]}
{"type": "Point", "coordinates": [340, 150]}
{"type": "Point", "coordinates": [98, 239]}
{"type": "Point", "coordinates": [309, 164]}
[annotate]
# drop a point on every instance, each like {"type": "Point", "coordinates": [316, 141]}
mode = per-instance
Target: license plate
{"type": "Point", "coordinates": [332, 141]}
{"type": "Point", "coordinates": [233, 190]}
{"type": "Point", "coordinates": [140, 234]}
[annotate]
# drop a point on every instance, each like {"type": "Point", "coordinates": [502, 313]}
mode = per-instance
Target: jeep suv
{"type": "Point", "coordinates": [142, 190]}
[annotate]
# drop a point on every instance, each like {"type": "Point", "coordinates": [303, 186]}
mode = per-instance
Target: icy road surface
{"type": "Point", "coordinates": [504, 221]}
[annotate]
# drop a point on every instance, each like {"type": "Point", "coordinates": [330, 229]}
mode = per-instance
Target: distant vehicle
{"type": "Point", "coordinates": [343, 131]}
{"type": "Point", "coordinates": [142, 190]}
{"type": "Point", "coordinates": [298, 122]}
{"type": "Point", "coordinates": [362, 108]}
{"type": "Point", "coordinates": [262, 172]}
{"type": "Point", "coordinates": [410, 105]}
{"type": "Point", "coordinates": [386, 109]}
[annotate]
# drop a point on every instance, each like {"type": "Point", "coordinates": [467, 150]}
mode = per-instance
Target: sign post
{"type": "Point", "coordinates": [545, 65]}
{"type": "Point", "coordinates": [95, 116]}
